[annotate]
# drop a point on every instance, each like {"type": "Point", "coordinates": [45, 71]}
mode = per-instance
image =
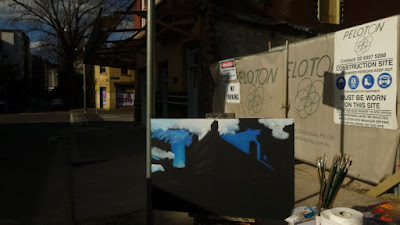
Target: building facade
{"type": "Point", "coordinates": [52, 78]}
{"type": "Point", "coordinates": [190, 39]}
{"type": "Point", "coordinates": [44, 77]}
{"type": "Point", "coordinates": [114, 88]}
{"type": "Point", "coordinates": [17, 75]}
{"type": "Point", "coordinates": [192, 35]}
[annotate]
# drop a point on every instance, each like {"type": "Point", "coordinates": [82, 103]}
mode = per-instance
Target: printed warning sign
{"type": "Point", "coordinates": [365, 64]}
{"type": "Point", "coordinates": [233, 93]}
{"type": "Point", "coordinates": [228, 69]}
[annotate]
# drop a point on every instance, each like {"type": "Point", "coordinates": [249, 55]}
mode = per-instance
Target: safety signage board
{"type": "Point", "coordinates": [365, 68]}
{"type": "Point", "coordinates": [233, 93]}
{"type": "Point", "coordinates": [228, 69]}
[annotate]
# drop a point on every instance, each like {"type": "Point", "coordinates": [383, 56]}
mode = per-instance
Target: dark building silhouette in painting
{"type": "Point", "coordinates": [221, 179]}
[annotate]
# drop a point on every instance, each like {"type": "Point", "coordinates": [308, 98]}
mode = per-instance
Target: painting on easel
{"type": "Point", "coordinates": [226, 167]}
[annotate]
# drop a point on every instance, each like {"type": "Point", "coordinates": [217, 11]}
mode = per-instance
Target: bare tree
{"type": "Point", "coordinates": [64, 25]}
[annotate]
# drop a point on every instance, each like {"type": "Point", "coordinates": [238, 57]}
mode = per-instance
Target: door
{"type": "Point", "coordinates": [164, 88]}
{"type": "Point", "coordinates": [193, 79]}
{"type": "Point", "coordinates": [103, 97]}
{"type": "Point", "coordinates": [143, 94]}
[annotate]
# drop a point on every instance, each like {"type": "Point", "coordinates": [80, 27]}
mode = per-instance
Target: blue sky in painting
{"type": "Point", "coordinates": [178, 139]}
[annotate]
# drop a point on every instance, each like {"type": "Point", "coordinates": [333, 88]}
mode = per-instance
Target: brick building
{"type": "Point", "coordinates": [114, 88]}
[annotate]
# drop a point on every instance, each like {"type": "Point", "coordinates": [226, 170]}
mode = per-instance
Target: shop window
{"type": "Point", "coordinates": [124, 71]}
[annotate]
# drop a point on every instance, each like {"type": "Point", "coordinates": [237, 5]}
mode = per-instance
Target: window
{"type": "Point", "coordinates": [102, 69]}
{"type": "Point", "coordinates": [124, 71]}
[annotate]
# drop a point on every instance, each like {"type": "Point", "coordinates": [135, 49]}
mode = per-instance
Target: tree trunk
{"type": "Point", "coordinates": [65, 81]}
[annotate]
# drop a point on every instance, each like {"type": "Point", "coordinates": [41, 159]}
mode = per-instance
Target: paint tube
{"type": "Point", "coordinates": [307, 214]}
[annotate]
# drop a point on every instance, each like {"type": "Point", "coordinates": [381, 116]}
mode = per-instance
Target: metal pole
{"type": "Point", "coordinates": [287, 78]}
{"type": "Point", "coordinates": [149, 75]}
{"type": "Point", "coordinates": [84, 89]}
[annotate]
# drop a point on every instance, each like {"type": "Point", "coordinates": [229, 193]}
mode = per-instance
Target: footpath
{"type": "Point", "coordinates": [79, 117]}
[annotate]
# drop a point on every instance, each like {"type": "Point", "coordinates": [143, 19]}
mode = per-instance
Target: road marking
{"type": "Point", "coordinates": [71, 118]}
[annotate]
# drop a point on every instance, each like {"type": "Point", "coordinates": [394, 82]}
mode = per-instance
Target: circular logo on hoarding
{"type": "Point", "coordinates": [368, 81]}
{"type": "Point", "coordinates": [308, 97]}
{"type": "Point", "coordinates": [384, 80]}
{"type": "Point", "coordinates": [354, 82]}
{"type": "Point", "coordinates": [254, 101]}
{"type": "Point", "coordinates": [363, 44]}
{"type": "Point", "coordinates": [340, 82]}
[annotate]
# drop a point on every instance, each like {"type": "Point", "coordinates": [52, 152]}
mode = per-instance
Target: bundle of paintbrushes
{"type": "Point", "coordinates": [330, 186]}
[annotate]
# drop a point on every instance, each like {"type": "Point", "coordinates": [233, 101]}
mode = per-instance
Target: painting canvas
{"type": "Point", "coordinates": [226, 167]}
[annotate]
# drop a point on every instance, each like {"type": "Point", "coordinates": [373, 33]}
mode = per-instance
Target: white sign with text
{"type": "Point", "coordinates": [233, 93]}
{"type": "Point", "coordinates": [228, 69]}
{"type": "Point", "coordinates": [365, 68]}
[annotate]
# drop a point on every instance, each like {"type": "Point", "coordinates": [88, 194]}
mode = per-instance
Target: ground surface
{"type": "Point", "coordinates": [71, 168]}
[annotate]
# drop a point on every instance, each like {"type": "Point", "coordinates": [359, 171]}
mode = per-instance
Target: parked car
{"type": "Point", "coordinates": [57, 102]}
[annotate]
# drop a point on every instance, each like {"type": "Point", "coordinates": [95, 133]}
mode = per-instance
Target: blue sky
{"type": "Point", "coordinates": [6, 13]}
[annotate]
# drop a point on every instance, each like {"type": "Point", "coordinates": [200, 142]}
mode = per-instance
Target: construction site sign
{"type": "Point", "coordinates": [228, 69]}
{"type": "Point", "coordinates": [233, 93]}
{"type": "Point", "coordinates": [260, 85]}
{"type": "Point", "coordinates": [366, 66]}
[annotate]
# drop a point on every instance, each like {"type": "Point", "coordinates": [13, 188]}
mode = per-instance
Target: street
{"type": "Point", "coordinates": [86, 172]}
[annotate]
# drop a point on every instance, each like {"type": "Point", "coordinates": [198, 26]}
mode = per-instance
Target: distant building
{"type": "Point", "coordinates": [16, 60]}
{"type": "Point", "coordinates": [52, 78]}
{"type": "Point", "coordinates": [44, 77]}
{"type": "Point", "coordinates": [114, 88]}
{"type": "Point", "coordinates": [2, 77]}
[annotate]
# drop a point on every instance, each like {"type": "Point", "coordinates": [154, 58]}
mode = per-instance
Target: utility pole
{"type": "Point", "coordinates": [84, 83]}
{"type": "Point", "coordinates": [84, 89]}
{"type": "Point", "coordinates": [149, 75]}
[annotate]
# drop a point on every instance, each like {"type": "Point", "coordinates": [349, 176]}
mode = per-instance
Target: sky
{"type": "Point", "coordinates": [6, 13]}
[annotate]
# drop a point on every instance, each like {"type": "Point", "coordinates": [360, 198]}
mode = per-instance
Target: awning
{"type": "Point", "coordinates": [125, 83]}
{"type": "Point", "coordinates": [114, 53]}
{"type": "Point", "coordinates": [174, 20]}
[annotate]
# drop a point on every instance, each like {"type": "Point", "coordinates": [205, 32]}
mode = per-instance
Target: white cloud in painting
{"type": "Point", "coordinates": [157, 168]}
{"type": "Point", "coordinates": [228, 126]}
{"type": "Point", "coordinates": [200, 127]}
{"type": "Point", "coordinates": [162, 154]}
{"type": "Point", "coordinates": [277, 125]}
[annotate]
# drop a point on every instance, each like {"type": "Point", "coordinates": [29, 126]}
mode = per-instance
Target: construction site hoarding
{"type": "Point", "coordinates": [258, 86]}
{"type": "Point", "coordinates": [316, 96]}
